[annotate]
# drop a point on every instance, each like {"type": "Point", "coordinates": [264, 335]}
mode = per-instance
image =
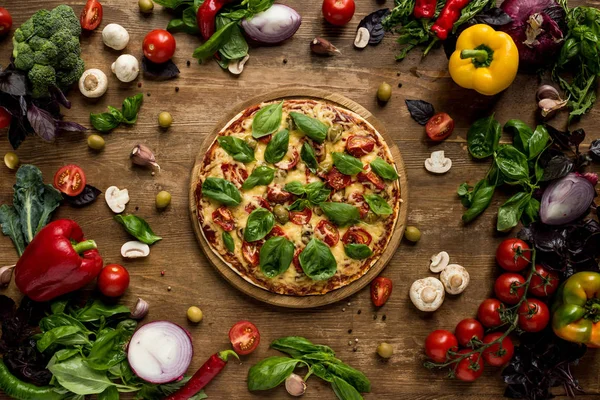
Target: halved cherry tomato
{"type": "Point", "coordinates": [223, 217]}
{"type": "Point", "coordinates": [370, 178]}
{"type": "Point", "coordinates": [234, 174]}
{"type": "Point", "coordinates": [533, 315]}
{"type": "Point", "coordinates": [5, 117]}
{"type": "Point", "coordinates": [289, 164]}
{"type": "Point", "coordinates": [251, 252]}
{"type": "Point", "coordinates": [358, 145]}
{"type": "Point", "coordinates": [113, 280]}
{"type": "Point", "coordinates": [159, 46]}
{"type": "Point", "coordinates": [544, 282]}
{"type": "Point", "coordinates": [91, 15]}
{"type": "Point", "coordinates": [296, 261]}
{"type": "Point", "coordinates": [438, 343]}
{"type": "Point", "coordinates": [439, 127]}
{"type": "Point", "coordinates": [5, 24]}
{"type": "Point", "coordinates": [467, 331]}
{"type": "Point", "coordinates": [327, 232]}
{"type": "Point", "coordinates": [244, 337]}
{"type": "Point", "coordinates": [498, 354]}
{"type": "Point", "coordinates": [488, 313]}
{"type": "Point", "coordinates": [276, 194]}
{"type": "Point", "coordinates": [381, 290]}
{"type": "Point", "coordinates": [337, 180]}
{"type": "Point", "coordinates": [265, 139]}
{"type": "Point", "coordinates": [276, 231]}
{"type": "Point", "coordinates": [338, 12]}
{"type": "Point", "coordinates": [261, 201]}
{"type": "Point", "coordinates": [70, 180]}
{"type": "Point", "coordinates": [357, 235]}
{"type": "Point", "coordinates": [509, 287]}
{"type": "Point", "coordinates": [513, 255]}
{"type": "Point", "coordinates": [469, 368]}
{"type": "Point", "coordinates": [358, 201]}
{"type": "Point", "coordinates": [301, 217]}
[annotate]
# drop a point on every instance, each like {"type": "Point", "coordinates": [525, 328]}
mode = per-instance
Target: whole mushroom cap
{"type": "Point", "coordinates": [427, 294]}
{"type": "Point", "coordinates": [455, 278]}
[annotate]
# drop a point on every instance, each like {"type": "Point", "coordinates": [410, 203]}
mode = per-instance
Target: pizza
{"type": "Point", "coordinates": [298, 197]}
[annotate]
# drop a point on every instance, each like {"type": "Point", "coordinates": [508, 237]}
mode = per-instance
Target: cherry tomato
{"type": "Point", "coordinates": [358, 201]}
{"type": "Point", "coordinates": [223, 217]}
{"type": "Point", "coordinates": [70, 180]}
{"type": "Point", "coordinates": [370, 178]}
{"type": "Point", "coordinates": [470, 368]}
{"type": "Point", "coordinates": [276, 194]}
{"type": "Point", "coordinates": [544, 282]}
{"type": "Point", "coordinates": [358, 145]}
{"type": "Point", "coordinates": [276, 231]}
{"type": "Point", "coordinates": [91, 15]}
{"type": "Point", "coordinates": [159, 46]}
{"type": "Point", "coordinates": [113, 280]}
{"type": "Point", "coordinates": [498, 354]}
{"type": "Point", "coordinates": [467, 330]}
{"type": "Point", "coordinates": [5, 22]}
{"type": "Point", "coordinates": [244, 337]}
{"type": "Point", "coordinates": [381, 290]}
{"type": "Point", "coordinates": [513, 255]}
{"type": "Point", "coordinates": [265, 139]}
{"type": "Point", "coordinates": [488, 313]}
{"type": "Point", "coordinates": [338, 12]}
{"type": "Point", "coordinates": [337, 180]}
{"type": "Point", "coordinates": [5, 118]}
{"type": "Point", "coordinates": [509, 287]}
{"type": "Point", "coordinates": [300, 217]}
{"type": "Point", "coordinates": [251, 252]}
{"type": "Point", "coordinates": [357, 235]}
{"type": "Point", "coordinates": [234, 174]}
{"type": "Point", "coordinates": [327, 232]}
{"type": "Point", "coordinates": [262, 203]}
{"type": "Point", "coordinates": [438, 343]}
{"type": "Point", "coordinates": [439, 127]}
{"type": "Point", "coordinates": [296, 261]}
{"type": "Point", "coordinates": [533, 315]}
{"type": "Point", "coordinates": [289, 164]}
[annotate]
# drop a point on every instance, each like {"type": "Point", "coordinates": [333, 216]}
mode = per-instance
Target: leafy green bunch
{"type": "Point", "coordinates": [47, 47]}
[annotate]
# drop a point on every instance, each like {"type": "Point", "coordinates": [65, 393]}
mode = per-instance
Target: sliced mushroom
{"type": "Point", "coordinates": [438, 163]}
{"type": "Point", "coordinates": [427, 294]}
{"type": "Point", "coordinates": [455, 278]}
{"type": "Point", "coordinates": [135, 249]}
{"type": "Point", "coordinates": [362, 38]}
{"type": "Point", "coordinates": [237, 66]}
{"type": "Point", "coordinates": [116, 199]}
{"type": "Point", "coordinates": [439, 262]}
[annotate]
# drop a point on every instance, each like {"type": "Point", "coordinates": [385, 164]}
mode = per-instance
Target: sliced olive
{"type": "Point", "coordinates": [371, 218]}
{"type": "Point", "coordinates": [334, 134]}
{"type": "Point", "coordinates": [384, 92]}
{"type": "Point", "coordinates": [281, 214]}
{"type": "Point", "coordinates": [163, 199]}
{"type": "Point", "coordinates": [325, 166]}
{"type": "Point", "coordinates": [412, 234]}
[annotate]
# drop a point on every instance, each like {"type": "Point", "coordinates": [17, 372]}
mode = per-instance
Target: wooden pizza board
{"type": "Point", "coordinates": [314, 300]}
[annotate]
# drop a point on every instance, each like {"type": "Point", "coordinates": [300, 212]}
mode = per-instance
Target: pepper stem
{"type": "Point", "coordinates": [479, 55]}
{"type": "Point", "coordinates": [84, 246]}
{"type": "Point", "coordinates": [224, 355]}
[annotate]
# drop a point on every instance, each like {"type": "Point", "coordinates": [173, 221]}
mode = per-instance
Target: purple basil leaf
{"type": "Point", "coordinates": [69, 126]}
{"type": "Point", "coordinates": [23, 105]}
{"type": "Point", "coordinates": [560, 138]}
{"type": "Point", "coordinates": [88, 196]}
{"type": "Point", "coordinates": [557, 167]}
{"type": "Point", "coordinates": [421, 111]}
{"type": "Point", "coordinates": [42, 122]}
{"type": "Point", "coordinates": [495, 17]}
{"type": "Point", "coordinates": [163, 71]}
{"type": "Point", "coordinates": [595, 149]}
{"type": "Point", "coordinates": [577, 137]}
{"type": "Point", "coordinates": [59, 96]}
{"type": "Point", "coordinates": [19, 130]}
{"type": "Point", "coordinates": [13, 83]}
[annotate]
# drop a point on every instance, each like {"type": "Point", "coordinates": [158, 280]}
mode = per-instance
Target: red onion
{"type": "Point", "coordinates": [566, 199]}
{"type": "Point", "coordinates": [160, 352]}
{"type": "Point", "coordinates": [274, 25]}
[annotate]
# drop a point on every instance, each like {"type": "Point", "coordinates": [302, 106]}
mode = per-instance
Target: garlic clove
{"type": "Point", "coordinates": [140, 310]}
{"type": "Point", "coordinates": [549, 106]}
{"type": "Point", "coordinates": [116, 199]}
{"type": "Point", "coordinates": [6, 275]}
{"type": "Point", "coordinates": [547, 92]}
{"type": "Point", "coordinates": [143, 156]}
{"type": "Point", "coordinates": [323, 47]}
{"type": "Point", "coordinates": [135, 249]}
{"type": "Point", "coordinates": [438, 163]}
{"type": "Point", "coordinates": [295, 385]}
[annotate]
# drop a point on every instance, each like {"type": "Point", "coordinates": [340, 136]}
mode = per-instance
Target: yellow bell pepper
{"type": "Point", "coordinates": [484, 60]}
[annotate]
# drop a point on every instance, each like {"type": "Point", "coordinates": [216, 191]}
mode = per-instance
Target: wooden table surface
{"type": "Point", "coordinates": [205, 94]}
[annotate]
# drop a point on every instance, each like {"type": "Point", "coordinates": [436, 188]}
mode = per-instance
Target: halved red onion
{"type": "Point", "coordinates": [160, 352]}
{"type": "Point", "coordinates": [274, 25]}
{"type": "Point", "coordinates": [566, 199]}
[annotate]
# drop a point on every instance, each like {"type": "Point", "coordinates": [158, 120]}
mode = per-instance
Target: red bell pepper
{"type": "Point", "coordinates": [51, 264]}
{"type": "Point", "coordinates": [207, 14]}
{"type": "Point", "coordinates": [448, 16]}
{"type": "Point", "coordinates": [424, 8]}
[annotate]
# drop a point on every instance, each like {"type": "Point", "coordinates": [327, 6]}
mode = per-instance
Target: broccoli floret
{"type": "Point", "coordinates": [65, 78]}
{"type": "Point", "coordinates": [65, 43]}
{"type": "Point", "coordinates": [44, 24]}
{"type": "Point", "coordinates": [24, 32]}
{"type": "Point", "coordinates": [68, 62]}
{"type": "Point", "coordinates": [24, 56]}
{"type": "Point", "coordinates": [41, 76]}
{"type": "Point", "coordinates": [45, 51]}
{"type": "Point", "coordinates": [67, 19]}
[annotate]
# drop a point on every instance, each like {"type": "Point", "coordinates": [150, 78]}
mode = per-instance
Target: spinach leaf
{"type": "Point", "coordinates": [538, 141]}
{"type": "Point", "coordinates": [316, 260]}
{"type": "Point", "coordinates": [261, 175]}
{"type": "Point", "coordinates": [378, 204]}
{"type": "Point", "coordinates": [276, 256]}
{"type": "Point", "coordinates": [277, 147]}
{"type": "Point", "coordinates": [131, 107]}
{"type": "Point", "coordinates": [383, 169]}
{"type": "Point", "coordinates": [421, 111]}
{"type": "Point", "coordinates": [109, 348]}
{"type": "Point", "coordinates": [270, 372]}
{"type": "Point", "coordinates": [66, 335]}
{"type": "Point", "coordinates": [236, 47]}
{"type": "Point", "coordinates": [110, 393]}
{"type": "Point", "coordinates": [228, 241]}
{"type": "Point", "coordinates": [512, 163]}
{"type": "Point", "coordinates": [341, 214]}
{"type": "Point", "coordinates": [307, 154]}
{"type": "Point", "coordinates": [510, 212]}
{"type": "Point", "coordinates": [138, 228]}
{"type": "Point", "coordinates": [178, 25]}
{"type": "Point", "coordinates": [483, 137]}
{"type": "Point", "coordinates": [61, 319]}
{"type": "Point", "coordinates": [343, 390]}
{"type": "Point", "coordinates": [236, 148]}
{"type": "Point", "coordinates": [311, 127]}
{"type": "Point", "coordinates": [480, 199]}
{"type": "Point", "coordinates": [347, 164]}
{"type": "Point", "coordinates": [151, 391]}
{"type": "Point", "coordinates": [267, 120]}
{"type": "Point", "coordinates": [214, 43]}
{"type": "Point", "coordinates": [295, 187]}
{"type": "Point", "coordinates": [357, 251]}
{"type": "Point", "coordinates": [75, 376]}
{"type": "Point", "coordinates": [299, 205]}
{"type": "Point", "coordinates": [222, 191]}
{"type": "Point", "coordinates": [521, 134]}
{"type": "Point", "coordinates": [259, 224]}
{"type": "Point", "coordinates": [350, 375]}
{"type": "Point", "coordinates": [257, 6]}
{"type": "Point", "coordinates": [11, 227]}
{"type": "Point", "coordinates": [297, 346]}
{"type": "Point", "coordinates": [317, 192]}
{"type": "Point", "coordinates": [172, 3]}
{"type": "Point", "coordinates": [98, 310]}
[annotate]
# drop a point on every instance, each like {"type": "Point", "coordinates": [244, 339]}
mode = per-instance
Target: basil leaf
{"type": "Point", "coordinates": [295, 187]}
{"type": "Point", "coordinates": [341, 214]}
{"type": "Point", "coordinates": [483, 137]}
{"type": "Point", "coordinates": [317, 192]}
{"type": "Point", "coordinates": [510, 212]}
{"type": "Point", "coordinates": [236, 47]}
{"type": "Point", "coordinates": [521, 134]}
{"type": "Point", "coordinates": [131, 107]}
{"type": "Point", "coordinates": [358, 251]}
{"type": "Point", "coordinates": [236, 148]}
{"type": "Point", "coordinates": [65, 335]}
{"type": "Point", "coordinates": [111, 393]}
{"type": "Point", "coordinates": [109, 348]}
{"type": "Point", "coordinates": [347, 164]}
{"type": "Point", "coordinates": [307, 154]}
{"type": "Point", "coordinates": [481, 197]}
{"type": "Point", "coordinates": [311, 127]}
{"type": "Point", "coordinates": [378, 205]}
{"type": "Point", "coordinates": [353, 376]}
{"type": "Point", "coordinates": [222, 191]}
{"type": "Point", "coordinates": [214, 43]}
{"type": "Point", "coordinates": [299, 205]}
{"type": "Point", "coordinates": [228, 241]}
{"type": "Point", "coordinates": [343, 390]}
{"type": "Point", "coordinates": [320, 371]}
{"type": "Point", "coordinates": [512, 163]}
{"type": "Point", "coordinates": [421, 111]}
{"type": "Point", "coordinates": [138, 228]}
{"type": "Point", "coordinates": [106, 122]}
{"type": "Point", "coordinates": [316, 260]}
{"type": "Point", "coordinates": [531, 211]}
{"type": "Point", "coordinates": [267, 120]}
{"type": "Point", "coordinates": [276, 256]}
{"type": "Point", "coordinates": [297, 346]}
{"type": "Point", "coordinates": [270, 372]}
{"type": "Point", "coordinates": [384, 169]}
{"type": "Point", "coordinates": [277, 147]}
{"type": "Point", "coordinates": [261, 176]}
{"type": "Point", "coordinates": [98, 310]}
{"type": "Point", "coordinates": [538, 141]}
{"type": "Point", "coordinates": [259, 224]}
{"type": "Point", "coordinates": [178, 25]}
{"type": "Point", "coordinates": [75, 376]}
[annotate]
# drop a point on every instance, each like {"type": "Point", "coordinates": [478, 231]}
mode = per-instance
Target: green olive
{"type": "Point", "coordinates": [165, 119]}
{"type": "Point", "coordinates": [281, 214]}
{"type": "Point", "coordinates": [163, 199]}
{"type": "Point", "coordinates": [251, 142]}
{"type": "Point", "coordinates": [325, 166]}
{"type": "Point", "coordinates": [146, 6]}
{"type": "Point", "coordinates": [334, 134]}
{"type": "Point", "coordinates": [412, 234]}
{"type": "Point", "coordinates": [194, 314]}
{"type": "Point", "coordinates": [384, 92]}
{"type": "Point", "coordinates": [385, 350]}
{"type": "Point", "coordinates": [96, 142]}
{"type": "Point", "coordinates": [11, 160]}
{"type": "Point", "coordinates": [371, 217]}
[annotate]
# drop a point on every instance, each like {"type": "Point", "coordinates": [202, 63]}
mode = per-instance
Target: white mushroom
{"type": "Point", "coordinates": [115, 36]}
{"type": "Point", "coordinates": [93, 83]}
{"type": "Point", "coordinates": [439, 262]}
{"type": "Point", "coordinates": [135, 249]}
{"type": "Point", "coordinates": [455, 278]}
{"type": "Point", "coordinates": [438, 163]}
{"type": "Point", "coordinates": [237, 66]}
{"type": "Point", "coordinates": [427, 294]}
{"type": "Point", "coordinates": [362, 38]}
{"type": "Point", "coordinates": [126, 68]}
{"type": "Point", "coordinates": [116, 199]}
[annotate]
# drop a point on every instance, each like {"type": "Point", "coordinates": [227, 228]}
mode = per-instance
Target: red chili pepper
{"type": "Point", "coordinates": [203, 376]}
{"type": "Point", "coordinates": [425, 8]}
{"type": "Point", "coordinates": [51, 264]}
{"type": "Point", "coordinates": [207, 14]}
{"type": "Point", "coordinates": [449, 15]}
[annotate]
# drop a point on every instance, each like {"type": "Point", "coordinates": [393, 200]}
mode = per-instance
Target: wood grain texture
{"type": "Point", "coordinates": [205, 95]}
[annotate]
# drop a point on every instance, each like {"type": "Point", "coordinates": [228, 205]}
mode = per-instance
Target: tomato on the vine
{"type": "Point", "coordinates": [381, 290]}
{"type": "Point", "coordinates": [91, 15]}
{"type": "Point", "coordinates": [533, 315]}
{"type": "Point", "coordinates": [5, 118]}
{"type": "Point", "coordinates": [509, 287]}
{"type": "Point", "coordinates": [469, 368]}
{"type": "Point", "coordinates": [513, 255]}
{"type": "Point", "coordinates": [244, 337]}
{"type": "Point", "coordinates": [498, 354]}
{"type": "Point", "coordinates": [338, 12]}
{"type": "Point", "coordinates": [70, 180]}
{"type": "Point", "coordinates": [468, 330]}
{"type": "Point", "coordinates": [113, 280]}
{"type": "Point", "coordinates": [159, 46]}
{"type": "Point", "coordinates": [544, 282]}
{"type": "Point", "coordinates": [5, 21]}
{"type": "Point", "coordinates": [439, 343]}
{"type": "Point", "coordinates": [439, 127]}
{"type": "Point", "coordinates": [488, 313]}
